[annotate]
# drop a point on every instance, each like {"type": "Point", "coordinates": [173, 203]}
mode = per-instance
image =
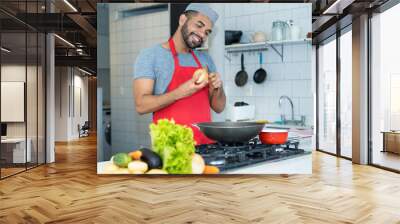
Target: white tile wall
{"type": "Point", "coordinates": [292, 77]}
{"type": "Point", "coordinates": [127, 37]}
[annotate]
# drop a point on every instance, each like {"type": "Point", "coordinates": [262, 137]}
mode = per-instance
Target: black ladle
{"type": "Point", "coordinates": [241, 76]}
{"type": "Point", "coordinates": [260, 74]}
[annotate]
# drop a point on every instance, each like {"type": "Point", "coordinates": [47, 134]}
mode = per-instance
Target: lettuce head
{"type": "Point", "coordinates": [175, 145]}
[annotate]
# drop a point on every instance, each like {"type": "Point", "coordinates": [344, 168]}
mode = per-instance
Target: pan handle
{"type": "Point", "coordinates": [242, 61]}
{"type": "Point", "coordinates": [195, 125]}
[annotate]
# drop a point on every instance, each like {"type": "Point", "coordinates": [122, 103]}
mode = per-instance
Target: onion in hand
{"type": "Point", "coordinates": [202, 75]}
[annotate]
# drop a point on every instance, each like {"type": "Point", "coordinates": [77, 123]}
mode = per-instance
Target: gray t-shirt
{"type": "Point", "coordinates": [157, 63]}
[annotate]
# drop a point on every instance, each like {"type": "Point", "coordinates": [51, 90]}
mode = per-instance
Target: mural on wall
{"type": "Point", "coordinates": [241, 75]}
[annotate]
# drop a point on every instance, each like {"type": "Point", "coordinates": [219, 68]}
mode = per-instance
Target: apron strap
{"type": "Point", "coordinates": [173, 51]}
{"type": "Point", "coordinates": [175, 54]}
{"type": "Point", "coordinates": [195, 58]}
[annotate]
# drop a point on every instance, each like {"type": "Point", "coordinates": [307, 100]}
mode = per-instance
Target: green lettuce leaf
{"type": "Point", "coordinates": [175, 145]}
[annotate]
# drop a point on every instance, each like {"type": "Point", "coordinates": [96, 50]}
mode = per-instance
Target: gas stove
{"type": "Point", "coordinates": [231, 156]}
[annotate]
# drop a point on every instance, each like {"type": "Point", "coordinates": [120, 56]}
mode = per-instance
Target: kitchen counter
{"type": "Point", "coordinates": [300, 164]}
{"type": "Point", "coordinates": [296, 165]}
{"type": "Point", "coordinates": [100, 167]}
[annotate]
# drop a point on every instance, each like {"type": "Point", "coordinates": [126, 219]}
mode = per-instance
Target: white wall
{"type": "Point", "coordinates": [79, 117]}
{"type": "Point", "coordinates": [291, 77]}
{"type": "Point", "coordinates": [251, 17]}
{"type": "Point", "coordinates": [61, 103]}
{"type": "Point", "coordinates": [14, 72]}
{"type": "Point", "coordinates": [69, 79]}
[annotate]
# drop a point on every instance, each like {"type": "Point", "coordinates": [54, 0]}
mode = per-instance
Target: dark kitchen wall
{"type": "Point", "coordinates": [103, 49]}
{"type": "Point", "coordinates": [176, 10]}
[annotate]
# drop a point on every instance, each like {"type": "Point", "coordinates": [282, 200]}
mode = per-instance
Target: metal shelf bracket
{"type": "Point", "coordinates": [279, 53]}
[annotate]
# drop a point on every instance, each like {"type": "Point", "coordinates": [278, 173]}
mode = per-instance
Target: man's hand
{"type": "Point", "coordinates": [217, 95]}
{"type": "Point", "coordinates": [189, 87]}
{"type": "Point", "coordinates": [215, 81]}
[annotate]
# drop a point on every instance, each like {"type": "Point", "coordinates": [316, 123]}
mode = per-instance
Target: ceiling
{"type": "Point", "coordinates": [79, 26]}
{"type": "Point", "coordinates": [330, 16]}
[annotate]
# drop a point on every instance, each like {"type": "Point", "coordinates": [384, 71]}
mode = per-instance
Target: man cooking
{"type": "Point", "coordinates": [165, 82]}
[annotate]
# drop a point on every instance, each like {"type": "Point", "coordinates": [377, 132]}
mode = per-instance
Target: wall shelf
{"type": "Point", "coordinates": [277, 46]}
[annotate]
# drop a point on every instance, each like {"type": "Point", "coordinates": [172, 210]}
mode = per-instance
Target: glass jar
{"type": "Point", "coordinates": [279, 30]}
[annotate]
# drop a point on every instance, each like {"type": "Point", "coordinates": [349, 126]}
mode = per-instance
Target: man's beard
{"type": "Point", "coordinates": [186, 35]}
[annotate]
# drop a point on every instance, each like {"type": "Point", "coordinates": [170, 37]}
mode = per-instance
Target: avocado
{"type": "Point", "coordinates": [122, 159]}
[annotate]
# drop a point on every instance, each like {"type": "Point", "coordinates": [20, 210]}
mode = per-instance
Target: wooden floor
{"type": "Point", "coordinates": [10, 171]}
{"type": "Point", "coordinates": [69, 191]}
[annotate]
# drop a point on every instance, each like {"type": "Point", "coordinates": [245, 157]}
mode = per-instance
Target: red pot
{"type": "Point", "coordinates": [273, 136]}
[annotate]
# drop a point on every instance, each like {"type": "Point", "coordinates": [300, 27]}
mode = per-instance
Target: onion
{"type": "Point", "coordinates": [202, 74]}
{"type": "Point", "coordinates": [198, 164]}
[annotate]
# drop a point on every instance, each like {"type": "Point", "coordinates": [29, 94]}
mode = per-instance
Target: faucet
{"type": "Point", "coordinates": [300, 122]}
{"type": "Point", "coordinates": [291, 105]}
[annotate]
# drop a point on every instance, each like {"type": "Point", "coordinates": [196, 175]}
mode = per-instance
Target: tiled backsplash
{"type": "Point", "coordinates": [259, 16]}
{"type": "Point", "coordinates": [127, 37]}
{"type": "Point", "coordinates": [291, 77]}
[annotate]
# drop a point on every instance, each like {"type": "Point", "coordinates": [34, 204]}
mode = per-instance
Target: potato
{"type": "Point", "coordinates": [156, 171]}
{"type": "Point", "coordinates": [198, 164]}
{"type": "Point", "coordinates": [137, 166]}
{"type": "Point", "coordinates": [110, 168]}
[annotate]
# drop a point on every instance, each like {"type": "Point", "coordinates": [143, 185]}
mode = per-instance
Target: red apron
{"type": "Point", "coordinates": [191, 109]}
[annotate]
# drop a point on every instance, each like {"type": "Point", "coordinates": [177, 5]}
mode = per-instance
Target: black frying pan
{"type": "Point", "coordinates": [241, 76]}
{"type": "Point", "coordinates": [230, 132]}
{"type": "Point", "coordinates": [260, 74]}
